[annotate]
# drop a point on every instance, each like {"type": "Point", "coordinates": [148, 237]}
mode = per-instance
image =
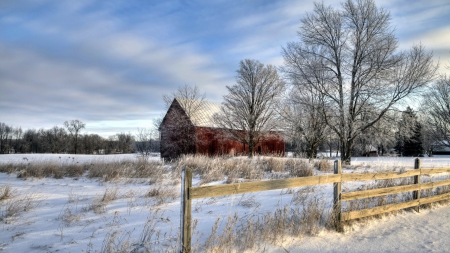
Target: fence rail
{"type": "Point", "coordinates": [189, 193]}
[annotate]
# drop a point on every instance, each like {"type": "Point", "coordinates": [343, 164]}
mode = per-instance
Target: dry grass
{"type": "Point", "coordinates": [151, 238]}
{"type": "Point", "coordinates": [107, 170]}
{"type": "Point", "coordinates": [324, 165]}
{"type": "Point", "coordinates": [41, 169]}
{"type": "Point", "coordinates": [11, 208]}
{"type": "Point", "coordinates": [6, 192]}
{"type": "Point", "coordinates": [141, 168]}
{"type": "Point", "coordinates": [98, 204]}
{"type": "Point", "coordinates": [299, 168]}
{"type": "Point", "coordinates": [219, 168]}
{"type": "Point", "coordinates": [69, 215]}
{"type": "Point", "coordinates": [251, 233]}
{"type": "Point", "coordinates": [163, 195]}
{"type": "Point", "coordinates": [117, 242]}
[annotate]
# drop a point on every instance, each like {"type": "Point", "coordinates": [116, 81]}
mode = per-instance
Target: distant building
{"type": "Point", "coordinates": [197, 133]}
{"type": "Point", "coordinates": [441, 148]}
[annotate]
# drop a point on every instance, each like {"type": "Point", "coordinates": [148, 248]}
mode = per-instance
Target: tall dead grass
{"type": "Point", "coordinates": [98, 204]}
{"type": "Point", "coordinates": [140, 168]}
{"type": "Point", "coordinates": [232, 170]}
{"type": "Point", "coordinates": [41, 169]}
{"type": "Point", "coordinates": [252, 232]}
{"type": "Point", "coordinates": [15, 204]}
{"type": "Point", "coordinates": [106, 170]}
{"type": "Point", "coordinates": [6, 192]}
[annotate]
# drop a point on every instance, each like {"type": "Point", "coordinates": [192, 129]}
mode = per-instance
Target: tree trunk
{"type": "Point", "coordinates": [251, 146]}
{"type": "Point", "coordinates": [312, 151]}
{"type": "Point", "coordinates": [346, 151]}
{"type": "Point", "coordinates": [76, 144]}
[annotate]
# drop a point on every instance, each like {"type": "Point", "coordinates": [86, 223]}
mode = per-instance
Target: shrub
{"type": "Point", "coordinates": [299, 168]}
{"type": "Point", "coordinates": [324, 165]}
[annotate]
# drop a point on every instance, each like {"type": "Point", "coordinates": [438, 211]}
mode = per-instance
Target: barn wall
{"type": "Point", "coordinates": [179, 136]}
{"type": "Point", "coordinates": [273, 143]}
{"type": "Point", "coordinates": [213, 141]}
{"type": "Point", "coordinates": [177, 133]}
{"type": "Point", "coordinates": [210, 141]}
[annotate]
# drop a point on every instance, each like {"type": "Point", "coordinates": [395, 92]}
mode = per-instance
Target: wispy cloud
{"type": "Point", "coordinates": [108, 63]}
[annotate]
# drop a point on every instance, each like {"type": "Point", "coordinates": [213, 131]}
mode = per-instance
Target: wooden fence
{"type": "Point", "coordinates": [189, 193]}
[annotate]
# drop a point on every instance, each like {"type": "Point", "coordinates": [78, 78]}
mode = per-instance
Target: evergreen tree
{"type": "Point", "coordinates": [409, 135]}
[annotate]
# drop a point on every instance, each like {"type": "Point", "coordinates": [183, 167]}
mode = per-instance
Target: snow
{"type": "Point", "coordinates": [427, 231]}
{"type": "Point", "coordinates": [65, 158]}
{"type": "Point", "coordinates": [60, 215]}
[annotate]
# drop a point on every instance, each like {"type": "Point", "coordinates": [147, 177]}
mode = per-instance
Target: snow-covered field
{"type": "Point", "coordinates": [84, 214]}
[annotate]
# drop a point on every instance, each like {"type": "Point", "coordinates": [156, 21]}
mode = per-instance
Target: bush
{"type": "Point", "coordinates": [299, 168]}
{"type": "Point", "coordinates": [324, 165]}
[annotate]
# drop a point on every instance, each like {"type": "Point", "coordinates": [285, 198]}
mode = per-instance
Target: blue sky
{"type": "Point", "coordinates": [108, 63]}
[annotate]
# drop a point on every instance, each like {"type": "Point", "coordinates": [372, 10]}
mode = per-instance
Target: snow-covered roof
{"type": "Point", "coordinates": [201, 112]}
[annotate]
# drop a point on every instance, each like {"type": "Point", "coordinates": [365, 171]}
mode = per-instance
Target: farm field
{"type": "Point", "coordinates": [137, 208]}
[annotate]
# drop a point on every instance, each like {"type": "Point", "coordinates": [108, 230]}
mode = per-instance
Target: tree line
{"type": "Point", "coordinates": [69, 139]}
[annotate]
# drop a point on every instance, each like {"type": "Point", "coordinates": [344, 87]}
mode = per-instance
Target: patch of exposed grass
{"type": "Point", "coordinates": [6, 192]}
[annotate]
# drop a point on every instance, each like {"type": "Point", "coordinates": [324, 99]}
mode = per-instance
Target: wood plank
{"type": "Point", "coordinates": [378, 210]}
{"type": "Point", "coordinates": [436, 198]}
{"type": "Point", "coordinates": [378, 192]}
{"type": "Point", "coordinates": [430, 171]}
{"type": "Point", "coordinates": [430, 185]}
{"type": "Point", "coordinates": [378, 175]}
{"type": "Point", "coordinates": [246, 187]}
{"type": "Point", "coordinates": [391, 190]}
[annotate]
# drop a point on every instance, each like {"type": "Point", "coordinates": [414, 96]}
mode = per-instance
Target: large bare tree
{"type": "Point", "coordinates": [349, 55]}
{"type": "Point", "coordinates": [250, 104]}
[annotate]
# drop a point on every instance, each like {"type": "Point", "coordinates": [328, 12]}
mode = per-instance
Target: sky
{"type": "Point", "coordinates": [109, 63]}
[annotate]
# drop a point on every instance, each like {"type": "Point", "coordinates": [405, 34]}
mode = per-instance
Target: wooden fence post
{"type": "Point", "coordinates": [416, 194]}
{"type": "Point", "coordinates": [186, 210]}
{"type": "Point", "coordinates": [337, 196]}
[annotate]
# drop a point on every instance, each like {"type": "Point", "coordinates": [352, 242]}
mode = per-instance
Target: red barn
{"type": "Point", "coordinates": [188, 128]}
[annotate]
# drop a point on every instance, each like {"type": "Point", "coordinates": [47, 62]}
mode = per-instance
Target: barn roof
{"type": "Point", "coordinates": [202, 112]}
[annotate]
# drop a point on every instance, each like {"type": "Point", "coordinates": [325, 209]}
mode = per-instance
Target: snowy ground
{"type": "Point", "coordinates": [63, 215]}
{"type": "Point", "coordinates": [427, 231]}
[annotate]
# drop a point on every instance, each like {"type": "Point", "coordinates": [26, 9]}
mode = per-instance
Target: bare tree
{"type": "Point", "coordinates": [18, 139]}
{"type": "Point", "coordinates": [144, 141]}
{"type": "Point", "coordinates": [381, 136]}
{"type": "Point", "coordinates": [248, 111]}
{"type": "Point", "coordinates": [147, 139]}
{"type": "Point", "coordinates": [125, 142]}
{"type": "Point", "coordinates": [304, 123]}
{"type": "Point", "coordinates": [5, 135]}
{"type": "Point", "coordinates": [437, 110]}
{"type": "Point", "coordinates": [188, 97]}
{"type": "Point", "coordinates": [350, 57]}
{"type": "Point", "coordinates": [74, 127]}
